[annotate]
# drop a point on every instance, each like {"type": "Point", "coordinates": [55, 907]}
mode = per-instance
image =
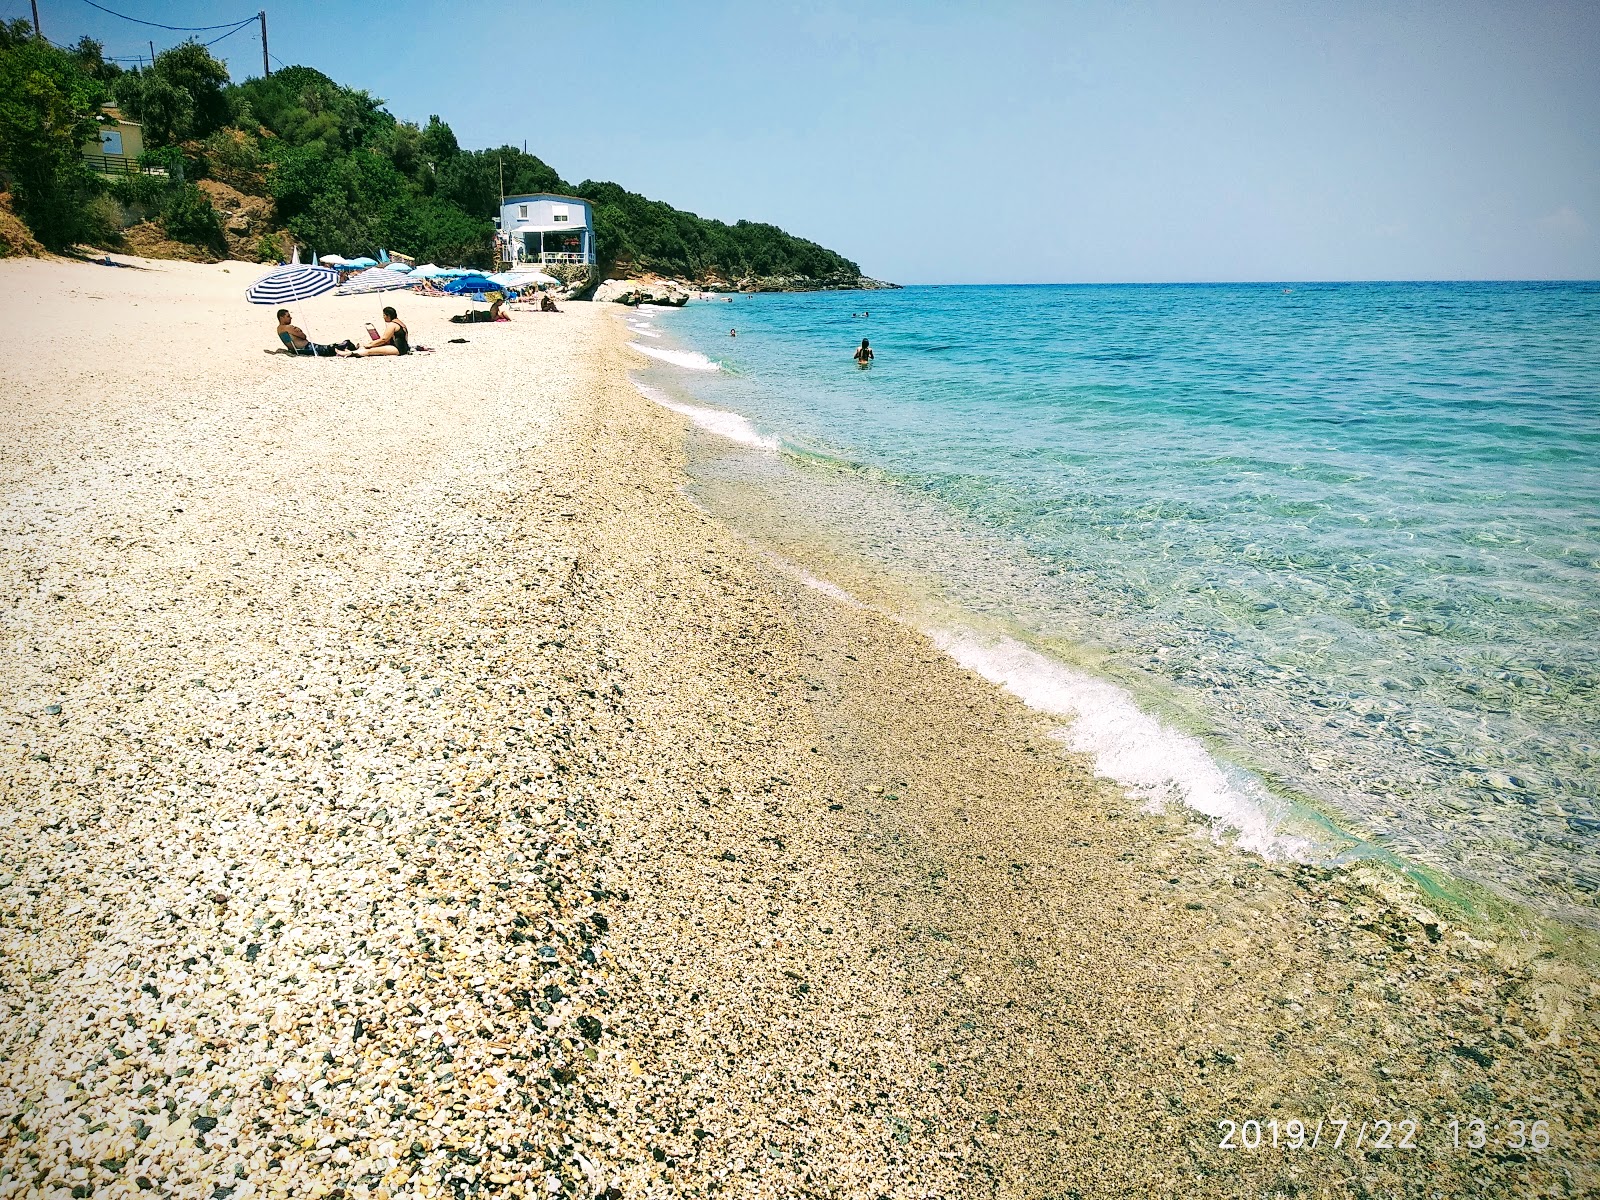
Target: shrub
{"type": "Point", "coordinates": [189, 217]}
{"type": "Point", "coordinates": [269, 248]}
{"type": "Point", "coordinates": [103, 220]}
{"type": "Point", "coordinates": [47, 106]}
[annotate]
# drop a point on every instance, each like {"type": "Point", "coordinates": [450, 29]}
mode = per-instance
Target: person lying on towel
{"type": "Point", "coordinates": [473, 315]}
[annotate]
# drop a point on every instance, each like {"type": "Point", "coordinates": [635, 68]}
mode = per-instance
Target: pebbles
{"type": "Point", "coordinates": [438, 805]}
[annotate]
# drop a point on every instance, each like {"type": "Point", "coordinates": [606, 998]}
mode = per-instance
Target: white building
{"type": "Point", "coordinates": [546, 228]}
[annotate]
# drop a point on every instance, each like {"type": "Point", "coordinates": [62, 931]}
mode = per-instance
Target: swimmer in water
{"type": "Point", "coordinates": [864, 354]}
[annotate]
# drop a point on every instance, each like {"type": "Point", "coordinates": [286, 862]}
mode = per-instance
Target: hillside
{"type": "Point", "coordinates": [298, 158]}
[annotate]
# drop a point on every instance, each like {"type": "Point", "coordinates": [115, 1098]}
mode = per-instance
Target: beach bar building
{"type": "Point", "coordinates": [546, 228]}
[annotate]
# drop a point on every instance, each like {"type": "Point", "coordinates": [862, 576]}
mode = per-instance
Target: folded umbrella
{"type": "Point", "coordinates": [375, 279]}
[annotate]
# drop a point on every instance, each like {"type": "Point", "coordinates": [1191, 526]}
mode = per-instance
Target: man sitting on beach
{"type": "Point", "coordinates": [298, 341]}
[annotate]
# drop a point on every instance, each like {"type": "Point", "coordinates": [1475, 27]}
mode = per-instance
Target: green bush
{"type": "Point", "coordinates": [47, 114]}
{"type": "Point", "coordinates": [103, 220]}
{"type": "Point", "coordinates": [189, 217]}
{"type": "Point", "coordinates": [145, 192]}
{"type": "Point", "coordinates": [269, 248]}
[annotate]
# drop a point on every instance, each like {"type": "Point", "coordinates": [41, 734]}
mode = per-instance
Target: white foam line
{"type": "Point", "coordinates": [644, 332]}
{"type": "Point", "coordinates": [823, 586]}
{"type": "Point", "coordinates": [725, 424]}
{"type": "Point", "coordinates": [1154, 763]}
{"type": "Point", "coordinates": [691, 360]}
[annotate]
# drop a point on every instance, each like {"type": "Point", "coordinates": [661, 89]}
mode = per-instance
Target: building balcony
{"type": "Point", "coordinates": [116, 164]}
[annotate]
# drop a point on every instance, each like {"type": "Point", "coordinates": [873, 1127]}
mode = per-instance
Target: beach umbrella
{"type": "Point", "coordinates": [525, 278]}
{"type": "Point", "coordinates": [331, 260]}
{"type": "Point", "coordinates": [291, 284]}
{"type": "Point", "coordinates": [375, 279]}
{"type": "Point", "coordinates": [507, 280]}
{"type": "Point", "coordinates": [361, 262]}
{"type": "Point", "coordinates": [427, 271]}
{"type": "Point", "coordinates": [455, 272]}
{"type": "Point", "coordinates": [396, 265]}
{"type": "Point", "coordinates": [471, 283]}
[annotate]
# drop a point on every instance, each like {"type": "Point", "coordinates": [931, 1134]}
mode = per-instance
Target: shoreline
{"type": "Point", "coordinates": [436, 676]}
{"type": "Point", "coordinates": [859, 516]}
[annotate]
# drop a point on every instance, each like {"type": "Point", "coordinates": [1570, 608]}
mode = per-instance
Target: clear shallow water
{"type": "Point", "coordinates": [1344, 537]}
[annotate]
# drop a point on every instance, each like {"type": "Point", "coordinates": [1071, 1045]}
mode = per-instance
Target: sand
{"type": "Point", "coordinates": [409, 792]}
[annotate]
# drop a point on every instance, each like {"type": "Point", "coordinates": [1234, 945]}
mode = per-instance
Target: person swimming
{"type": "Point", "coordinates": [864, 354]}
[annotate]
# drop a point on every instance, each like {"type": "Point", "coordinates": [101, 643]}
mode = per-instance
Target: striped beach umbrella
{"type": "Point", "coordinates": [377, 279]}
{"type": "Point", "coordinates": [291, 284]}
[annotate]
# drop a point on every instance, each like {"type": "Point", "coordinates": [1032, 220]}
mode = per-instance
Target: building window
{"type": "Point", "coordinates": [111, 142]}
{"type": "Point", "coordinates": [522, 210]}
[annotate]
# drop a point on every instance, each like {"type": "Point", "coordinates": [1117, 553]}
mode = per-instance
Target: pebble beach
{"type": "Point", "coordinates": [408, 792]}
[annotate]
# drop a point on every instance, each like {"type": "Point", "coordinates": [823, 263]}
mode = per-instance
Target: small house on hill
{"type": "Point", "coordinates": [546, 228]}
{"type": "Point", "coordinates": [116, 151]}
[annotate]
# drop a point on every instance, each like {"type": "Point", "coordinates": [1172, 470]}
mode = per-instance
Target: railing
{"type": "Point", "coordinates": [115, 164]}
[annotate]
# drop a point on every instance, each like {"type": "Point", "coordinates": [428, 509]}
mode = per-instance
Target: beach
{"type": "Point", "coordinates": [410, 792]}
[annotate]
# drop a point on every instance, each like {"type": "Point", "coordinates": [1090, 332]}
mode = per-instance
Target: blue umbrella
{"type": "Point", "coordinates": [361, 262]}
{"type": "Point", "coordinates": [471, 283]}
{"type": "Point", "coordinates": [291, 284]}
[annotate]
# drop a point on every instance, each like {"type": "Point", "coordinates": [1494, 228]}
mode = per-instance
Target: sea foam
{"type": "Point", "coordinates": [1154, 763]}
{"type": "Point", "coordinates": [724, 424]}
{"type": "Point", "coordinates": [691, 360]}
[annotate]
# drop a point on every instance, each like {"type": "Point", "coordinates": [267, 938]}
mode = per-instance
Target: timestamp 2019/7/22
{"type": "Point", "coordinates": [1399, 1134]}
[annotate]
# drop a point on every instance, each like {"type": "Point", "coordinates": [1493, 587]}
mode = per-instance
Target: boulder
{"type": "Point", "coordinates": [642, 291]}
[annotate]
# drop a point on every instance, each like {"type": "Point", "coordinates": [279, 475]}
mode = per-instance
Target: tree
{"type": "Point", "coordinates": [180, 97]}
{"type": "Point", "coordinates": [48, 107]}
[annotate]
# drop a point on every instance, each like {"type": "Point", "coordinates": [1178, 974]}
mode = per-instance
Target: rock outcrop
{"type": "Point", "coordinates": [245, 219]}
{"type": "Point", "coordinates": [676, 292]}
{"type": "Point", "coordinates": [643, 291]}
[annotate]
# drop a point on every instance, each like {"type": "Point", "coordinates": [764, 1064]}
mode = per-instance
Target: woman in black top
{"type": "Point", "coordinates": [396, 338]}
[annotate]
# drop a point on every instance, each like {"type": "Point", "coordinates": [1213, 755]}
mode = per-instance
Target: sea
{"type": "Point", "coordinates": [1320, 562]}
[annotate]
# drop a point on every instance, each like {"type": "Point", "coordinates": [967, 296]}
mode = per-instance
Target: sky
{"type": "Point", "coordinates": [1010, 142]}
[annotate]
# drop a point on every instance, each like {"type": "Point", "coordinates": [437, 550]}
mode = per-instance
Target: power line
{"type": "Point", "coordinates": [158, 25]}
{"type": "Point", "coordinates": [234, 30]}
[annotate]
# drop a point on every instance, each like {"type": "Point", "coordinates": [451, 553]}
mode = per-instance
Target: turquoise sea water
{"type": "Point", "coordinates": [1283, 553]}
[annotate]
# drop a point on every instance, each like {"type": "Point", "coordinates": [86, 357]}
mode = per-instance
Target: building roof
{"type": "Point", "coordinates": [546, 196]}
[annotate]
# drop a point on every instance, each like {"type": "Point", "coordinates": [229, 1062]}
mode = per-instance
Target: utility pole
{"type": "Point", "coordinates": [266, 67]}
{"type": "Point", "coordinates": [36, 32]}
{"type": "Point", "coordinates": [152, 46]}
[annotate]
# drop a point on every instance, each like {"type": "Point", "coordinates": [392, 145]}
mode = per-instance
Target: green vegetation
{"type": "Point", "coordinates": [344, 175]}
{"type": "Point", "coordinates": [47, 106]}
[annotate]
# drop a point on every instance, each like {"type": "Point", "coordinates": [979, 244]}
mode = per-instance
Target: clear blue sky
{"type": "Point", "coordinates": [1026, 142]}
